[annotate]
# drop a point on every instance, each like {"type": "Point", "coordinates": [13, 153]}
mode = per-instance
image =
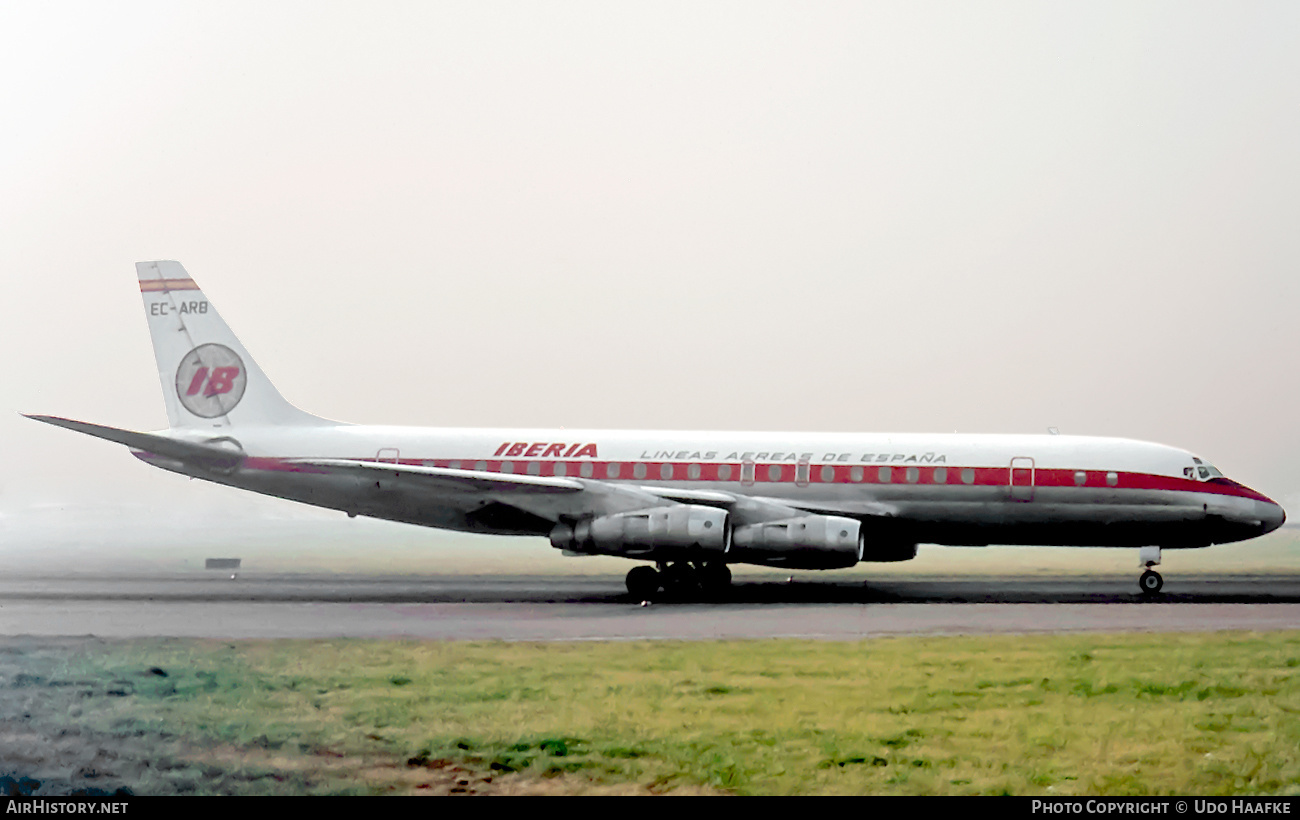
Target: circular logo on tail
{"type": "Point", "coordinates": [211, 380]}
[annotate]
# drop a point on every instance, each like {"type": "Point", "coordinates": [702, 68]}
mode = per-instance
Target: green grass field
{"type": "Point", "coordinates": [1097, 714]}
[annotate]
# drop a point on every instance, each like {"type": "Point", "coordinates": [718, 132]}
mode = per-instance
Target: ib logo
{"type": "Point", "coordinates": [211, 380]}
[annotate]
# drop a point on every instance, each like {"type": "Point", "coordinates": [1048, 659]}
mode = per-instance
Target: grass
{"type": "Point", "coordinates": [1210, 714]}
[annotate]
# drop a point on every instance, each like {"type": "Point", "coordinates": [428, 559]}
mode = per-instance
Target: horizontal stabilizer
{"type": "Point", "coordinates": [218, 458]}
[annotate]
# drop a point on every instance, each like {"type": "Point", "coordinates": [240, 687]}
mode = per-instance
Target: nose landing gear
{"type": "Point", "coordinates": [1150, 581]}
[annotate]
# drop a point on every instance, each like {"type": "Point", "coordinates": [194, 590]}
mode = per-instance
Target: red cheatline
{"type": "Point", "coordinates": [148, 285]}
{"type": "Point", "coordinates": [983, 476]}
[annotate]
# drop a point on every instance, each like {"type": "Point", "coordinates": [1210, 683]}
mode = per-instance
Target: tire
{"type": "Point", "coordinates": [715, 577]}
{"type": "Point", "coordinates": [643, 583]}
{"type": "Point", "coordinates": [1151, 582]}
{"type": "Point", "coordinates": [680, 580]}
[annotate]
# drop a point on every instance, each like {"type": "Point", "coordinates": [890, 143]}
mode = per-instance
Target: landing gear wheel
{"type": "Point", "coordinates": [715, 577]}
{"type": "Point", "coordinates": [1151, 582]}
{"type": "Point", "coordinates": [680, 579]}
{"type": "Point", "coordinates": [643, 583]}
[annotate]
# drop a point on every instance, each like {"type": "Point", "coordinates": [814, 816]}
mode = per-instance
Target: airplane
{"type": "Point", "coordinates": [690, 503]}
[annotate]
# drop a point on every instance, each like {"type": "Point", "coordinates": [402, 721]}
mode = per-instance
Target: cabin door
{"type": "Point", "coordinates": [1022, 479]}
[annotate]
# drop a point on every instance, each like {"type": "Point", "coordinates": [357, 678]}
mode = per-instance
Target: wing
{"type": "Point", "coordinates": [442, 479]}
{"type": "Point", "coordinates": [547, 498]}
{"type": "Point", "coordinates": [539, 501]}
{"type": "Point", "coordinates": [552, 498]}
{"type": "Point", "coordinates": [767, 509]}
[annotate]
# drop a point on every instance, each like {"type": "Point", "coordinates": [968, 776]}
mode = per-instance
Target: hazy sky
{"type": "Point", "coordinates": [910, 216]}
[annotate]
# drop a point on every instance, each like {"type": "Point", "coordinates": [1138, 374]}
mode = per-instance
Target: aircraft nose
{"type": "Point", "coordinates": [1271, 514]}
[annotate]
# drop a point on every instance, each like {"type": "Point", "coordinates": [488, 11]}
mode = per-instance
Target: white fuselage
{"type": "Point", "coordinates": [916, 488]}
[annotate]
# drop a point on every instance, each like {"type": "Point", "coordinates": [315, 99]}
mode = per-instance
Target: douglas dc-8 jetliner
{"type": "Point", "coordinates": [690, 502]}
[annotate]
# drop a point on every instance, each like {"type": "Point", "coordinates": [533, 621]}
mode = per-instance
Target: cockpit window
{"type": "Point", "coordinates": [1202, 471]}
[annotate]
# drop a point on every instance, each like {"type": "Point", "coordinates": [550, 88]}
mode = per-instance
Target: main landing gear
{"type": "Point", "coordinates": [1150, 581]}
{"type": "Point", "coordinates": [680, 579]}
{"type": "Point", "coordinates": [643, 583]}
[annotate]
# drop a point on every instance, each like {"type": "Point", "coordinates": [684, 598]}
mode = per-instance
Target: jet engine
{"type": "Point", "coordinates": [805, 542]}
{"type": "Point", "coordinates": [679, 530]}
{"type": "Point", "coordinates": [885, 551]}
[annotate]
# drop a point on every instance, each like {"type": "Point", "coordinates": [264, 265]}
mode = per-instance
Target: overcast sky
{"type": "Point", "coordinates": [910, 216]}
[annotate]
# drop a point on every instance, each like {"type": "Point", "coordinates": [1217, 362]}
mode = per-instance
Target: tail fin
{"type": "Point", "coordinates": [208, 378]}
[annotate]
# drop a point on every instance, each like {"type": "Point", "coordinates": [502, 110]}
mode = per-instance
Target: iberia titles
{"type": "Point", "coordinates": [545, 449]}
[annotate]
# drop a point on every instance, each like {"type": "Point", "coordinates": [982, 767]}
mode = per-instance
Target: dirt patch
{"type": "Point", "coordinates": [433, 777]}
{"type": "Point", "coordinates": [49, 748]}
{"type": "Point", "coordinates": [43, 748]}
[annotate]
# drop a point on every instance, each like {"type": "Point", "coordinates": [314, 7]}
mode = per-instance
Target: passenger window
{"type": "Point", "coordinates": [913, 475]}
{"type": "Point", "coordinates": [534, 468]}
{"type": "Point", "coordinates": [855, 474]}
{"type": "Point", "coordinates": [967, 476]}
{"type": "Point", "coordinates": [507, 466]}
{"type": "Point", "coordinates": [453, 465]}
{"type": "Point", "coordinates": [612, 470]}
{"type": "Point", "coordinates": [693, 471]}
{"type": "Point", "coordinates": [666, 472]}
{"type": "Point", "coordinates": [1080, 478]}
{"type": "Point", "coordinates": [561, 469]}
{"type": "Point", "coordinates": [724, 472]}
{"type": "Point", "coordinates": [884, 475]}
{"type": "Point", "coordinates": [774, 472]}
{"type": "Point", "coordinates": [638, 470]}
{"type": "Point", "coordinates": [828, 474]}
{"type": "Point", "coordinates": [1112, 479]}
{"type": "Point", "coordinates": [586, 469]}
{"type": "Point", "coordinates": [481, 466]}
{"type": "Point", "coordinates": [940, 475]}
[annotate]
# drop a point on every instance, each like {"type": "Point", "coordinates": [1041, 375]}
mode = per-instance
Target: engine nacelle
{"type": "Point", "coordinates": [885, 551]}
{"type": "Point", "coordinates": [806, 542]}
{"type": "Point", "coordinates": [678, 530]}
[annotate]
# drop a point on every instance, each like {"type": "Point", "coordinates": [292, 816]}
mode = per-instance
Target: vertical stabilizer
{"type": "Point", "coordinates": [208, 379]}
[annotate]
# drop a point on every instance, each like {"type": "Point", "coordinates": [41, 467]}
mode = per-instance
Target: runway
{"type": "Point", "coordinates": [578, 608]}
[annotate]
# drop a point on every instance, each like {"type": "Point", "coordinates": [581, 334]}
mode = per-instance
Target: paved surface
{"type": "Point", "coordinates": [598, 608]}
